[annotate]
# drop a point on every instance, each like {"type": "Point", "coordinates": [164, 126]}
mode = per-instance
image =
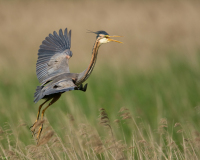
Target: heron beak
{"type": "Point", "coordinates": [109, 39]}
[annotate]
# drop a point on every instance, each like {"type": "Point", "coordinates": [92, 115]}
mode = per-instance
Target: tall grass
{"type": "Point", "coordinates": [142, 100]}
{"type": "Point", "coordinates": [149, 115]}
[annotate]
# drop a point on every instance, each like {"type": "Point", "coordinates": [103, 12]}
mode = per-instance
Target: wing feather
{"type": "Point", "coordinates": [53, 87]}
{"type": "Point", "coordinates": [62, 37]}
{"type": "Point", "coordinates": [55, 40]}
{"type": "Point", "coordinates": [52, 55]}
{"type": "Point", "coordinates": [61, 86]}
{"type": "Point", "coordinates": [59, 40]}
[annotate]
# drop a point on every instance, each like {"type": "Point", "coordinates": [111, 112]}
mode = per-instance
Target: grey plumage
{"type": "Point", "coordinates": [57, 85]}
{"type": "Point", "coordinates": [52, 62]}
{"type": "Point", "coordinates": [52, 52]}
{"type": "Point", "coordinates": [53, 71]}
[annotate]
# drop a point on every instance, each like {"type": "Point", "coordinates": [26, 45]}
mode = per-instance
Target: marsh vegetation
{"type": "Point", "coordinates": [142, 100]}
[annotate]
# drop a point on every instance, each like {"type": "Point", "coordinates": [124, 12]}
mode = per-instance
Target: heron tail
{"type": "Point", "coordinates": [37, 94]}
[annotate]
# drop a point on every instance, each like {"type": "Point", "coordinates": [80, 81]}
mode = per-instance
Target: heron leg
{"type": "Point", "coordinates": [38, 115]}
{"type": "Point", "coordinates": [53, 101]}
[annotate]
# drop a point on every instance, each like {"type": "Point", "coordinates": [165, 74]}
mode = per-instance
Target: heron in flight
{"type": "Point", "coordinates": [53, 71]}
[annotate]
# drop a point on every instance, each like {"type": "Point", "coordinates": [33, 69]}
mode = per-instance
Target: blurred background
{"type": "Point", "coordinates": [154, 73]}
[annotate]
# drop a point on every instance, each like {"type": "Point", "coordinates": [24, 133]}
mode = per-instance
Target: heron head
{"type": "Point", "coordinates": [104, 37]}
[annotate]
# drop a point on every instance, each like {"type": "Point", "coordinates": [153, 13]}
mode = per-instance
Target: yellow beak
{"type": "Point", "coordinates": [109, 39]}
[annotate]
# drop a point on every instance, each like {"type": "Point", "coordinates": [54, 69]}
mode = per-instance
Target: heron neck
{"type": "Point", "coordinates": [83, 76]}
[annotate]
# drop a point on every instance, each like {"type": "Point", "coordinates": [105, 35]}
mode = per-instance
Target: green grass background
{"type": "Point", "coordinates": [171, 93]}
{"type": "Point", "coordinates": [154, 74]}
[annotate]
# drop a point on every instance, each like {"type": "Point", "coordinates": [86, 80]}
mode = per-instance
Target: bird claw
{"type": "Point", "coordinates": [32, 129]}
{"type": "Point", "coordinates": [85, 87]}
{"type": "Point", "coordinates": [33, 125]}
{"type": "Point", "coordinates": [39, 133]}
{"type": "Point", "coordinates": [81, 88]}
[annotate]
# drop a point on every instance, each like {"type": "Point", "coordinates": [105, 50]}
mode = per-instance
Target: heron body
{"type": "Point", "coordinates": [53, 71]}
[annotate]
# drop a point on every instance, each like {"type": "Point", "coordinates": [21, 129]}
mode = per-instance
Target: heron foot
{"type": "Point", "coordinates": [39, 133]}
{"type": "Point", "coordinates": [85, 87]}
{"type": "Point", "coordinates": [32, 128]}
{"type": "Point", "coordinates": [81, 88]}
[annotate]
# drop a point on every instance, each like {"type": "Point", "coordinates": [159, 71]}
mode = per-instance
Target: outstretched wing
{"type": "Point", "coordinates": [53, 56]}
